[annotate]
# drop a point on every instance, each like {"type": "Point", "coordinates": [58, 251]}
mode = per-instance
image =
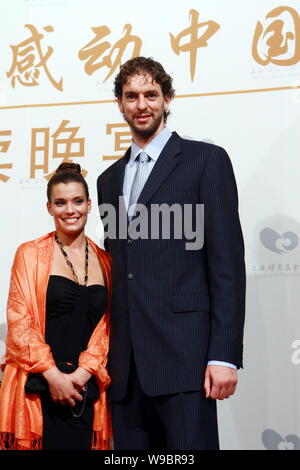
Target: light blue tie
{"type": "Point", "coordinates": [140, 179]}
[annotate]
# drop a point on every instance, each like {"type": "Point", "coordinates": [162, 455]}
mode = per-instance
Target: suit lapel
{"type": "Point", "coordinates": [117, 176]}
{"type": "Point", "coordinates": [163, 167]}
{"type": "Point", "coordinates": [115, 181]}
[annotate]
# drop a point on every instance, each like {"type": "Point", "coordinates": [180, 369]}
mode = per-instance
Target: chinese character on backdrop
{"type": "Point", "coordinates": [122, 139]}
{"type": "Point", "coordinates": [4, 146]}
{"type": "Point", "coordinates": [65, 146]}
{"type": "Point", "coordinates": [29, 59]}
{"type": "Point", "coordinates": [95, 49]}
{"type": "Point", "coordinates": [278, 41]}
{"type": "Point", "coordinates": [196, 35]}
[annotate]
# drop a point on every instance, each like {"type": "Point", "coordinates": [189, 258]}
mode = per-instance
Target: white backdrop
{"type": "Point", "coordinates": [243, 94]}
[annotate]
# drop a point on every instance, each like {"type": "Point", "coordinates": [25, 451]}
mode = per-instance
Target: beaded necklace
{"type": "Point", "coordinates": [86, 261]}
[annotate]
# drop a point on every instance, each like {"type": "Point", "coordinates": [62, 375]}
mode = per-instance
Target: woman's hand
{"type": "Point", "coordinates": [80, 377]}
{"type": "Point", "coordinates": [63, 388]}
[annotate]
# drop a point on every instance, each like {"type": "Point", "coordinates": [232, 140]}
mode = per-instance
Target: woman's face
{"type": "Point", "coordinates": [69, 207]}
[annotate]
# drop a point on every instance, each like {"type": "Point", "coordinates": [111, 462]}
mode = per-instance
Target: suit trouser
{"type": "Point", "coordinates": [183, 421]}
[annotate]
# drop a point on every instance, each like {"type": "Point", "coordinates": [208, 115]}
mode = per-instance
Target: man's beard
{"type": "Point", "coordinates": [149, 131]}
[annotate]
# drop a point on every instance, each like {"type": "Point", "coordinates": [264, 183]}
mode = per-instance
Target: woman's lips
{"type": "Point", "coordinates": [71, 220]}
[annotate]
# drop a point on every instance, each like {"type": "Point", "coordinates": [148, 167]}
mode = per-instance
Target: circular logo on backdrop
{"type": "Point", "coordinates": [274, 441]}
{"type": "Point", "coordinates": [278, 243]}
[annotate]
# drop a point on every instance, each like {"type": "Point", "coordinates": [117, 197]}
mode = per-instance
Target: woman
{"type": "Point", "coordinates": [53, 390]}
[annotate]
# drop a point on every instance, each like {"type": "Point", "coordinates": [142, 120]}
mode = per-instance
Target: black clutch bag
{"type": "Point", "coordinates": [37, 384]}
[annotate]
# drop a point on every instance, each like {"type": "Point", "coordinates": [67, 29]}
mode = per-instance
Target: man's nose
{"type": "Point", "coordinates": [142, 104]}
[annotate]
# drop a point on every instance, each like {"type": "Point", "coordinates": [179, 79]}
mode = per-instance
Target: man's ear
{"type": "Point", "coordinates": [121, 108]}
{"type": "Point", "coordinates": [167, 100]}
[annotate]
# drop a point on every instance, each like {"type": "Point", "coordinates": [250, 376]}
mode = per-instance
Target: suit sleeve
{"type": "Point", "coordinates": [225, 259]}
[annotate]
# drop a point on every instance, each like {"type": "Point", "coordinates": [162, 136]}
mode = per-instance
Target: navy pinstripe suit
{"type": "Point", "coordinates": [177, 309]}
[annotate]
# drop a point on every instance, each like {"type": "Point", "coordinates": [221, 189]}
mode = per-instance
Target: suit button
{"type": "Point", "coordinates": [130, 276]}
{"type": "Point", "coordinates": [130, 241]}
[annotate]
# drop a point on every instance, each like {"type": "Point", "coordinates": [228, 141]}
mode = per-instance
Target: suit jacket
{"type": "Point", "coordinates": [174, 308]}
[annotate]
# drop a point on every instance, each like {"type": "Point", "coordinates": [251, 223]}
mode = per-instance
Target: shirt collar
{"type": "Point", "coordinates": [153, 149]}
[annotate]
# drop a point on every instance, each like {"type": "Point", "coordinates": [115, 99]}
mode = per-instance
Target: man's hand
{"type": "Point", "coordinates": [62, 389]}
{"type": "Point", "coordinates": [220, 382]}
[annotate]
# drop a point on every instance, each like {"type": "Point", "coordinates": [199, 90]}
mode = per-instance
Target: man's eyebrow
{"type": "Point", "coordinates": [133, 92]}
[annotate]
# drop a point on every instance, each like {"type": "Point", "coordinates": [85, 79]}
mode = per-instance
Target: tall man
{"type": "Point", "coordinates": [178, 310]}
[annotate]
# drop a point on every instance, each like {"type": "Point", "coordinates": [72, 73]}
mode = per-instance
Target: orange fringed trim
{"type": "Point", "coordinates": [98, 443]}
{"type": "Point", "coordinates": [9, 442]}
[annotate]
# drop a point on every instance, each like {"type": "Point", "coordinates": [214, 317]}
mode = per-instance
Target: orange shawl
{"type": "Point", "coordinates": [21, 421]}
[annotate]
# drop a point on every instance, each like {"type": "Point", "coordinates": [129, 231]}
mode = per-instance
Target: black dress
{"type": "Point", "coordinates": [72, 313]}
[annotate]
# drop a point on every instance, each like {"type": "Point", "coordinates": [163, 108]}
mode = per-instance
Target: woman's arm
{"type": "Point", "coordinates": [94, 359]}
{"type": "Point", "coordinates": [25, 344]}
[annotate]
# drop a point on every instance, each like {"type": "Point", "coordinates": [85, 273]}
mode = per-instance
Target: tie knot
{"type": "Point", "coordinates": [143, 157]}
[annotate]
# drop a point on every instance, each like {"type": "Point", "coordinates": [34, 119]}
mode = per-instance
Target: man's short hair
{"type": "Point", "coordinates": [140, 66]}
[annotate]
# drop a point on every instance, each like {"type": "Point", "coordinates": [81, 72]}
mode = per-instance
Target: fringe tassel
{"type": "Point", "coordinates": [98, 443]}
{"type": "Point", "coordinates": [8, 441]}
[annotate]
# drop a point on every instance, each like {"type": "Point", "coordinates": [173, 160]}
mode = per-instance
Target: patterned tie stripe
{"type": "Point", "coordinates": [140, 178]}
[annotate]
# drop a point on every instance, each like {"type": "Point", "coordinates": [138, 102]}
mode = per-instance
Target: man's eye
{"type": "Point", "coordinates": [79, 201]}
{"type": "Point", "coordinates": [58, 203]}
